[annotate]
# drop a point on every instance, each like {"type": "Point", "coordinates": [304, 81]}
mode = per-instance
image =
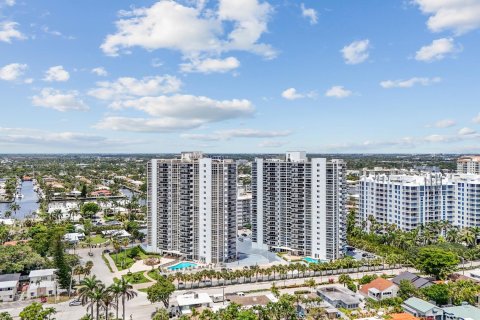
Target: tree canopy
{"type": "Point", "coordinates": [436, 262]}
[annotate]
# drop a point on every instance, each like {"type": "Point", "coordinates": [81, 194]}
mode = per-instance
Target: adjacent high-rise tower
{"type": "Point", "coordinates": [299, 205]}
{"type": "Point", "coordinates": [191, 207]}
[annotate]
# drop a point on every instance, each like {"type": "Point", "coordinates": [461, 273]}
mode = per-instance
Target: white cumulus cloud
{"type": "Point", "coordinates": [193, 29]}
{"type": "Point", "coordinates": [459, 16]}
{"type": "Point", "coordinates": [356, 52]}
{"type": "Point", "coordinates": [466, 131]}
{"type": "Point", "coordinates": [12, 72]}
{"type": "Point", "coordinates": [126, 87]}
{"type": "Point", "coordinates": [58, 100]}
{"type": "Point", "coordinates": [9, 31]}
{"type": "Point", "coordinates": [293, 94]}
{"type": "Point", "coordinates": [177, 112]}
{"type": "Point", "coordinates": [56, 74]}
{"type": "Point", "coordinates": [309, 13]}
{"type": "Point", "coordinates": [100, 71]}
{"type": "Point", "coordinates": [388, 84]}
{"type": "Point", "coordinates": [338, 92]}
{"type": "Point", "coordinates": [211, 65]}
{"type": "Point", "coordinates": [437, 50]}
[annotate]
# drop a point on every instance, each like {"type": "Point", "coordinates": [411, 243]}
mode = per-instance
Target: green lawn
{"type": "Point", "coordinates": [97, 239]}
{"type": "Point", "coordinates": [136, 277]}
{"type": "Point", "coordinates": [123, 261]}
{"type": "Point", "coordinates": [153, 274]}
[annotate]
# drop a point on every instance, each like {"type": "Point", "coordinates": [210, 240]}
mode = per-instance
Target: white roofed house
{"type": "Point", "coordinates": [74, 237]}
{"type": "Point", "coordinates": [9, 286]}
{"type": "Point", "coordinates": [190, 300]}
{"type": "Point", "coordinates": [42, 283]}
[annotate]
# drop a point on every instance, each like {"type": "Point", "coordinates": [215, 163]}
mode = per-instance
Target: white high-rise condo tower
{"type": "Point", "coordinates": [299, 205]}
{"type": "Point", "coordinates": [191, 207]}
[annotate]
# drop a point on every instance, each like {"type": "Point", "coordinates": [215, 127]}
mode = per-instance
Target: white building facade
{"type": "Point", "coordinates": [244, 209]}
{"type": "Point", "coordinates": [409, 201]}
{"type": "Point", "coordinates": [299, 205]}
{"type": "Point", "coordinates": [191, 207]}
{"type": "Point", "coordinates": [468, 164]}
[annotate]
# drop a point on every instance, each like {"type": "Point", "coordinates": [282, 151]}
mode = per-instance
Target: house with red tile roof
{"type": "Point", "coordinates": [379, 289]}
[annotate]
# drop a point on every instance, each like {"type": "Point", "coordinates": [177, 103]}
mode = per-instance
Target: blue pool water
{"type": "Point", "coordinates": [182, 265]}
{"type": "Point", "coordinates": [312, 260]}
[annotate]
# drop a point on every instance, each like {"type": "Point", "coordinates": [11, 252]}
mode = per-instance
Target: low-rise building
{"type": "Point", "coordinates": [379, 289]}
{"type": "Point", "coordinates": [417, 281]}
{"type": "Point", "coordinates": [339, 297]}
{"type": "Point", "coordinates": [42, 283]}
{"type": "Point", "coordinates": [9, 286]}
{"type": "Point", "coordinates": [188, 301]}
{"type": "Point", "coordinates": [462, 312]}
{"type": "Point", "coordinates": [422, 309]}
{"type": "Point", "coordinates": [74, 237]}
{"type": "Point", "coordinates": [249, 301]}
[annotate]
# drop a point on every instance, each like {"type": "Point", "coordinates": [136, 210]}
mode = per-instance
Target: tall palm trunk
{"type": "Point", "coordinates": [116, 304]}
{"type": "Point", "coordinates": [98, 311]}
{"type": "Point", "coordinates": [123, 306]}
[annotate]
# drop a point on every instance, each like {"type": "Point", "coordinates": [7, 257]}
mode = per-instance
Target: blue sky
{"type": "Point", "coordinates": [240, 76]}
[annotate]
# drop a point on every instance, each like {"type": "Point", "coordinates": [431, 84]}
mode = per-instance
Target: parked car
{"type": "Point", "coordinates": [75, 303]}
{"type": "Point", "coordinates": [90, 254]}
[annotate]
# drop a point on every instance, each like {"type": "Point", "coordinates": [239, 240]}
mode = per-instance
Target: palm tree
{"type": "Point", "coordinates": [87, 287]}
{"type": "Point", "coordinates": [108, 301]}
{"type": "Point", "coordinates": [89, 241]}
{"type": "Point", "coordinates": [125, 243]}
{"type": "Point", "coordinates": [14, 207]}
{"type": "Point", "coordinates": [344, 279]}
{"type": "Point", "coordinates": [97, 298]}
{"type": "Point", "coordinates": [452, 235]}
{"type": "Point", "coordinates": [126, 292]}
{"type": "Point", "coordinates": [468, 237]}
{"type": "Point", "coordinates": [7, 214]}
{"type": "Point", "coordinates": [116, 291]}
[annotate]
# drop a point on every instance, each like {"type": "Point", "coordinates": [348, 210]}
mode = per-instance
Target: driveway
{"type": "Point", "coordinates": [99, 269]}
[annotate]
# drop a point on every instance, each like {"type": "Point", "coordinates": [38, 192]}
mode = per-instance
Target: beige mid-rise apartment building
{"type": "Point", "coordinates": [468, 164]}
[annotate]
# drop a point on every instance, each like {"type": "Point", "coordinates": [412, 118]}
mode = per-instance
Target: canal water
{"type": "Point", "coordinates": [129, 194]}
{"type": "Point", "coordinates": [28, 204]}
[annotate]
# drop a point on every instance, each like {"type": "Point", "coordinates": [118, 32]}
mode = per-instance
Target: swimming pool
{"type": "Point", "coordinates": [312, 260]}
{"type": "Point", "coordinates": [182, 265]}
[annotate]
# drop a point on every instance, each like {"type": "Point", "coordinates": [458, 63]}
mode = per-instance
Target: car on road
{"type": "Point", "coordinates": [90, 254]}
{"type": "Point", "coordinates": [241, 294]}
{"type": "Point", "coordinates": [75, 303]}
{"type": "Point", "coordinates": [244, 235]}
